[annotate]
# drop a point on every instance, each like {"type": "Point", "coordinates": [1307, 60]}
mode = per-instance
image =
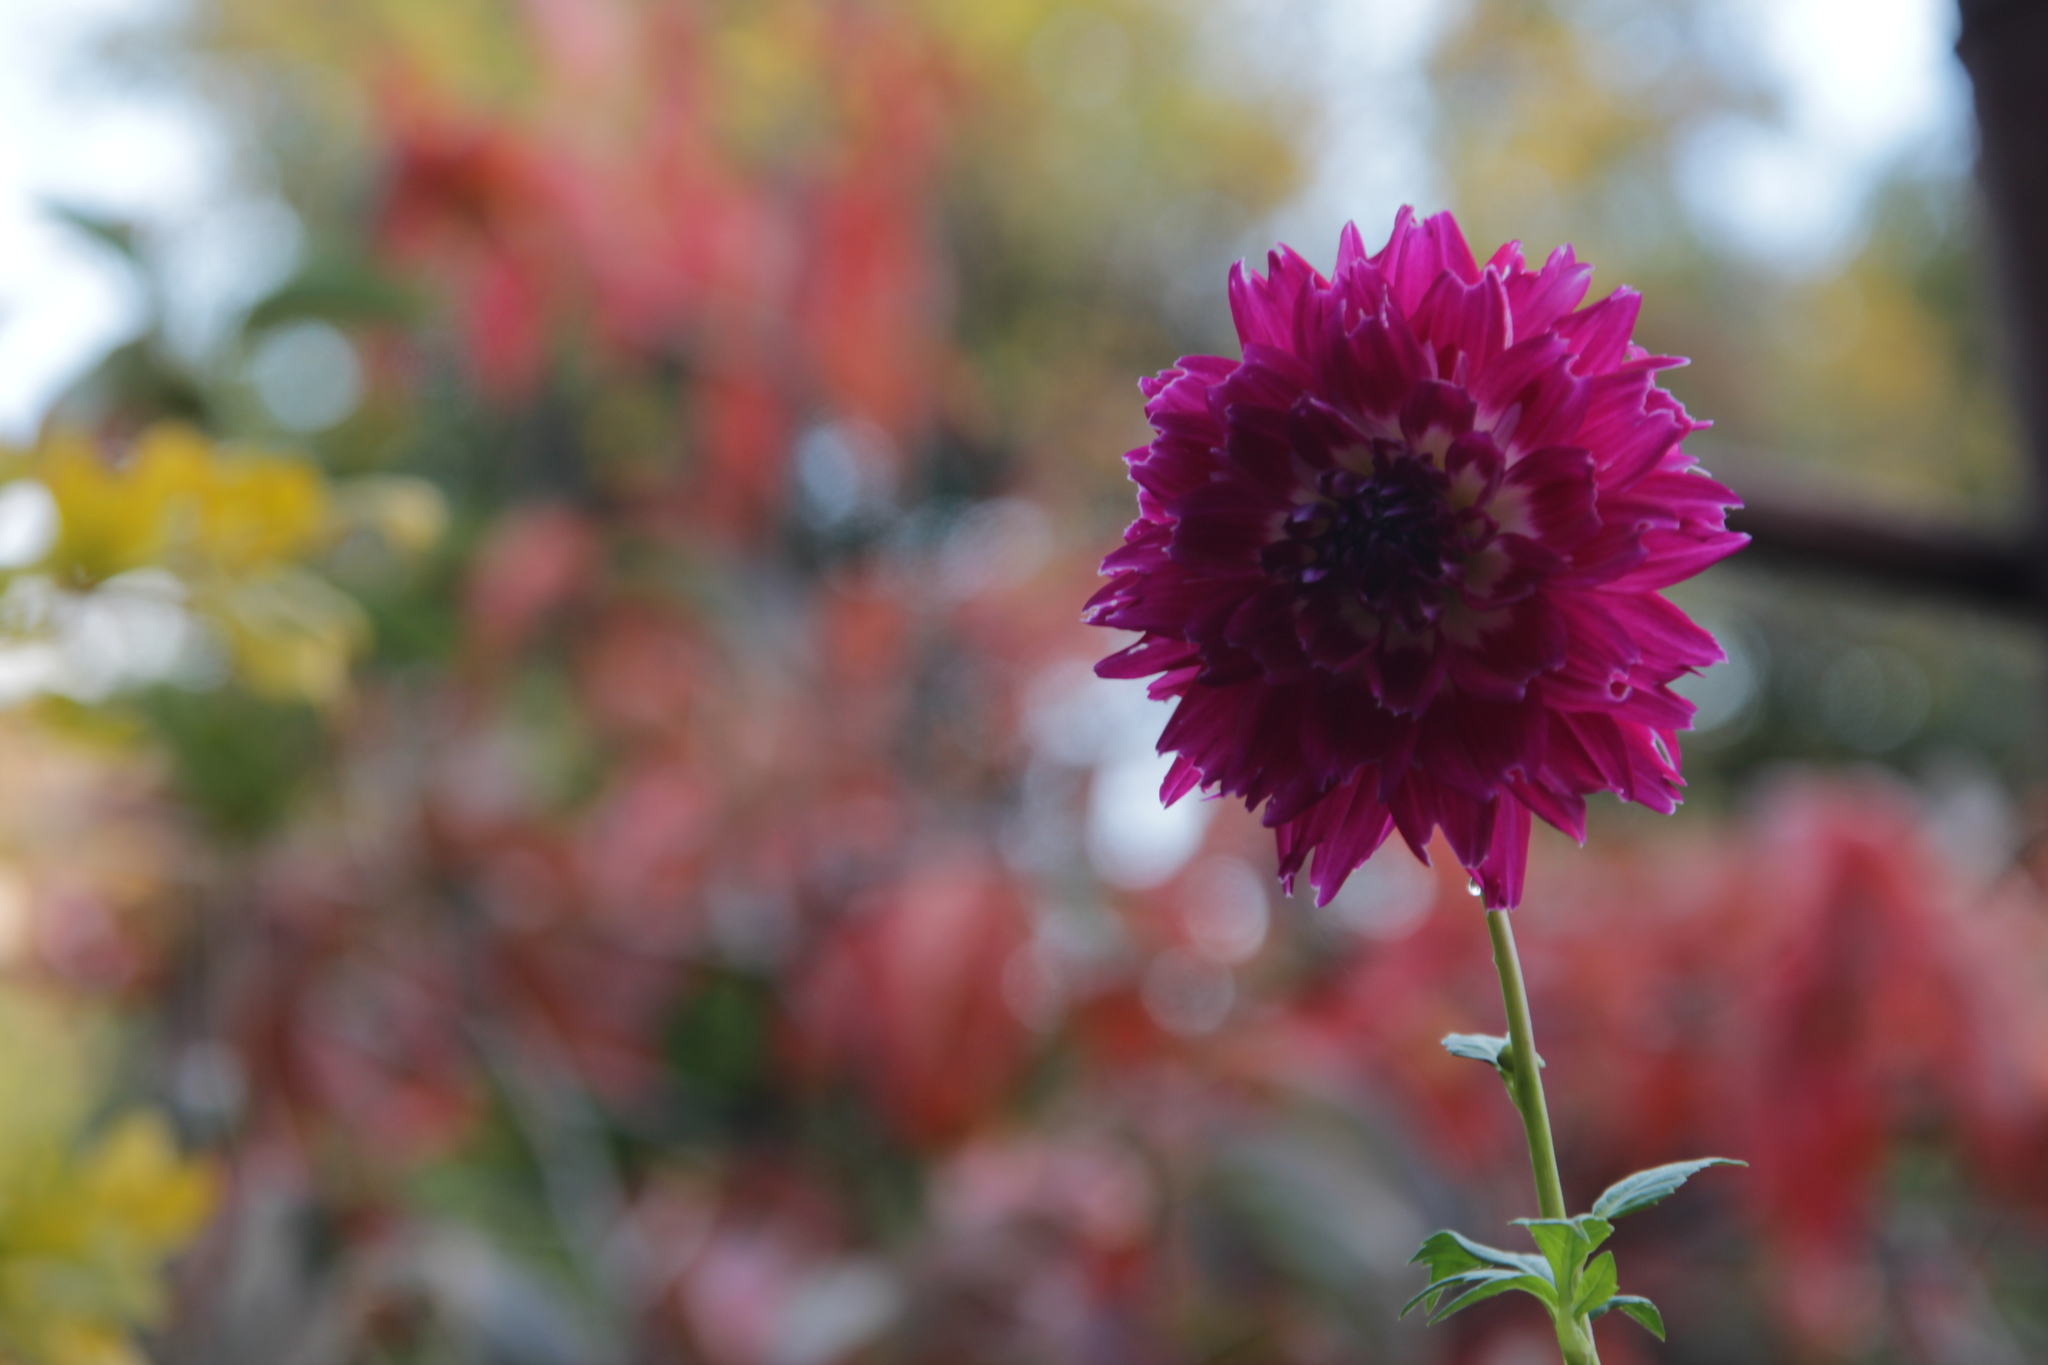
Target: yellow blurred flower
{"type": "Point", "coordinates": [408, 514]}
{"type": "Point", "coordinates": [291, 633]}
{"type": "Point", "coordinates": [86, 1222]}
{"type": "Point", "coordinates": [178, 502]}
{"type": "Point", "coordinates": [234, 529]}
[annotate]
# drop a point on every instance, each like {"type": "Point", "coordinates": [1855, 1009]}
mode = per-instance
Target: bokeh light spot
{"type": "Point", "coordinates": [307, 376]}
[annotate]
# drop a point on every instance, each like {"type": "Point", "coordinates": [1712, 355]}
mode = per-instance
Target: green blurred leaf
{"type": "Point", "coordinates": [1645, 1188]}
{"type": "Point", "coordinates": [108, 232]}
{"type": "Point", "coordinates": [1637, 1307]}
{"type": "Point", "coordinates": [719, 1047]}
{"type": "Point", "coordinates": [237, 758]}
{"type": "Point", "coordinates": [333, 290]}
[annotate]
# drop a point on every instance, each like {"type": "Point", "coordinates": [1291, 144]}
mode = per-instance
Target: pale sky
{"type": "Point", "coordinates": [139, 146]}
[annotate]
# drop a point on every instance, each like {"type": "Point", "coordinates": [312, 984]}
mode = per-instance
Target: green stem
{"type": "Point", "coordinates": [1525, 1084]}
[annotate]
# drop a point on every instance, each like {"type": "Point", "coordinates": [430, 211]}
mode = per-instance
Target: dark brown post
{"type": "Point", "coordinates": [2004, 46]}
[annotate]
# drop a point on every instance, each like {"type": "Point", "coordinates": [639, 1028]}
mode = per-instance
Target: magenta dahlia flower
{"type": "Point", "coordinates": [1399, 565]}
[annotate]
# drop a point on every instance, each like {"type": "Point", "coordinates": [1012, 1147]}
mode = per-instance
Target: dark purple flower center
{"type": "Point", "coordinates": [1389, 537]}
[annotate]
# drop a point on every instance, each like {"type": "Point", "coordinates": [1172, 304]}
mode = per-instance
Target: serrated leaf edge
{"type": "Point", "coordinates": [1617, 1201]}
{"type": "Point", "coordinates": [1481, 1254]}
{"type": "Point", "coordinates": [1439, 1287]}
{"type": "Point", "coordinates": [1644, 1313]}
{"type": "Point", "coordinates": [1528, 1284]}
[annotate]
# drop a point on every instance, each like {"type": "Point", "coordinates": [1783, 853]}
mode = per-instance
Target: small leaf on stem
{"type": "Point", "coordinates": [1645, 1188]}
{"type": "Point", "coordinates": [1449, 1253]}
{"type": "Point", "coordinates": [1500, 1282]}
{"type": "Point", "coordinates": [1438, 1289]}
{"type": "Point", "coordinates": [1597, 1285]}
{"type": "Point", "coordinates": [1480, 1047]}
{"type": "Point", "coordinates": [1637, 1307]}
{"type": "Point", "coordinates": [1566, 1242]}
{"type": "Point", "coordinates": [1462, 1272]}
{"type": "Point", "coordinates": [1483, 1047]}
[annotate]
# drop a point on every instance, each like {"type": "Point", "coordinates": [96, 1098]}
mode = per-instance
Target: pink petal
{"type": "Point", "coordinates": [1465, 321]}
{"type": "Point", "coordinates": [1540, 299]}
{"type": "Point", "coordinates": [1436, 414]}
{"type": "Point", "coordinates": [1674, 556]}
{"type": "Point", "coordinates": [1501, 872]}
{"type": "Point", "coordinates": [1661, 630]}
{"type": "Point", "coordinates": [1548, 495]}
{"type": "Point", "coordinates": [1562, 810]}
{"type": "Point", "coordinates": [1150, 655]}
{"type": "Point", "coordinates": [1373, 367]}
{"type": "Point", "coordinates": [1599, 335]}
{"type": "Point", "coordinates": [1181, 778]}
{"type": "Point", "coordinates": [1406, 677]}
{"type": "Point", "coordinates": [1223, 525]}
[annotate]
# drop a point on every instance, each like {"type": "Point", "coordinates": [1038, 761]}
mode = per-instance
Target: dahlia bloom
{"type": "Point", "coordinates": [1399, 565]}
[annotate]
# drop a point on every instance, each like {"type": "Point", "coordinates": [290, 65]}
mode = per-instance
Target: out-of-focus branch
{"type": "Point", "coordinates": [1804, 524]}
{"type": "Point", "coordinates": [1948, 561]}
{"type": "Point", "coordinates": [2004, 45]}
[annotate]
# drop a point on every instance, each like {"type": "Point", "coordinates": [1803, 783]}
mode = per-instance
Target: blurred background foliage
{"type": "Point", "coordinates": [555, 748]}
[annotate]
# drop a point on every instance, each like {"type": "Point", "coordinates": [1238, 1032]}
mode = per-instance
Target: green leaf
{"type": "Point", "coordinates": [333, 289]}
{"type": "Point", "coordinates": [1437, 1288]}
{"type": "Point", "coordinates": [1645, 1188]}
{"type": "Point", "coordinates": [1455, 1293]}
{"type": "Point", "coordinates": [1598, 1284]}
{"type": "Point", "coordinates": [1637, 1307]}
{"type": "Point", "coordinates": [1500, 1282]}
{"type": "Point", "coordinates": [1483, 1047]}
{"type": "Point", "coordinates": [1480, 1047]}
{"type": "Point", "coordinates": [108, 232]}
{"type": "Point", "coordinates": [1462, 1272]}
{"type": "Point", "coordinates": [1450, 1253]}
{"type": "Point", "coordinates": [1561, 1245]}
{"type": "Point", "coordinates": [1566, 1242]}
{"type": "Point", "coordinates": [1444, 1254]}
